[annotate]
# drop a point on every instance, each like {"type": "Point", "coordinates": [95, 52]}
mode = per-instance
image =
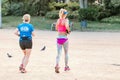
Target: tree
{"type": "Point", "coordinates": [0, 15]}
{"type": "Point", "coordinates": [33, 7]}
{"type": "Point", "coordinates": [107, 3]}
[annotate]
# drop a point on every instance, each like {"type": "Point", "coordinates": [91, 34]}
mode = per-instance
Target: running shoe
{"type": "Point", "coordinates": [23, 70]}
{"type": "Point", "coordinates": [66, 68]}
{"type": "Point", "coordinates": [57, 69]}
{"type": "Point", "coordinates": [21, 66]}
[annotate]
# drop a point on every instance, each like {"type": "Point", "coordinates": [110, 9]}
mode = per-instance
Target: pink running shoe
{"type": "Point", "coordinates": [66, 68]}
{"type": "Point", "coordinates": [23, 70]}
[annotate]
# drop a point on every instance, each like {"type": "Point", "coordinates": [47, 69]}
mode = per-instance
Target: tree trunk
{"type": "Point", "coordinates": [83, 3]}
{"type": "Point", "coordinates": [67, 1]}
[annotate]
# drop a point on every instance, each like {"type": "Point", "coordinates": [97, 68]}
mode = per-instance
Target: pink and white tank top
{"type": "Point", "coordinates": [61, 25]}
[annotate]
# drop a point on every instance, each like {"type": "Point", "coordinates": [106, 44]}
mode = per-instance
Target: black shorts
{"type": "Point", "coordinates": [25, 44]}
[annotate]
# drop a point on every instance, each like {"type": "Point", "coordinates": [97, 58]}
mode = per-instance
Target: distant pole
{"type": "Point", "coordinates": [0, 15]}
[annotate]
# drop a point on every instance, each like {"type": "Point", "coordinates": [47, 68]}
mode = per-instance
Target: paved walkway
{"type": "Point", "coordinates": [93, 56]}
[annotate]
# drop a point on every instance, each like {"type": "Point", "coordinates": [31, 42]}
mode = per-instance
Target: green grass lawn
{"type": "Point", "coordinates": [41, 23]}
{"type": "Point", "coordinates": [38, 22]}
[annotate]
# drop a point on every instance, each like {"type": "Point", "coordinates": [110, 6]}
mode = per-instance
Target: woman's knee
{"type": "Point", "coordinates": [28, 52]}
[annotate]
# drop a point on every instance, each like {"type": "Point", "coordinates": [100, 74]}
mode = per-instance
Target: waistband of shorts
{"type": "Point", "coordinates": [62, 36]}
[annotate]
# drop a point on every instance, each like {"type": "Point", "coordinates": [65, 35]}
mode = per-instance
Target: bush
{"type": "Point", "coordinates": [88, 14]}
{"type": "Point", "coordinates": [72, 6]}
{"type": "Point", "coordinates": [5, 8]}
{"type": "Point", "coordinates": [116, 9]}
{"type": "Point", "coordinates": [52, 15]}
{"type": "Point", "coordinates": [107, 4]}
{"type": "Point", "coordinates": [58, 5]}
{"type": "Point", "coordinates": [103, 14]}
{"type": "Point", "coordinates": [109, 10]}
{"type": "Point", "coordinates": [51, 6]}
{"type": "Point", "coordinates": [16, 9]}
{"type": "Point", "coordinates": [112, 19]}
{"type": "Point", "coordinates": [112, 6]}
{"type": "Point", "coordinates": [73, 15]}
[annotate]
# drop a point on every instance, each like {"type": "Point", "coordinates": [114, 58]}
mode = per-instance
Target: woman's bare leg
{"type": "Point", "coordinates": [26, 57]}
{"type": "Point", "coordinates": [59, 50]}
{"type": "Point", "coordinates": [65, 46]}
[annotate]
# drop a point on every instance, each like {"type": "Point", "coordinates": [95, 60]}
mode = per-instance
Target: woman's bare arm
{"type": "Point", "coordinates": [16, 32]}
{"type": "Point", "coordinates": [67, 26]}
{"type": "Point", "coordinates": [33, 33]}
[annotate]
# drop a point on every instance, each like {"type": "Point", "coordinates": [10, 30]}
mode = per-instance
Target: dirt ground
{"type": "Point", "coordinates": [92, 56]}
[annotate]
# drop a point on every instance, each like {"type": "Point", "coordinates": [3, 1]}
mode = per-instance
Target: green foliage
{"type": "Point", "coordinates": [112, 19]}
{"type": "Point", "coordinates": [111, 8]}
{"type": "Point", "coordinates": [115, 9]}
{"type": "Point", "coordinates": [115, 1]}
{"type": "Point", "coordinates": [74, 0]}
{"type": "Point", "coordinates": [5, 7]}
{"type": "Point", "coordinates": [58, 5]}
{"type": "Point", "coordinates": [107, 4]}
{"type": "Point", "coordinates": [10, 21]}
{"type": "Point", "coordinates": [91, 1]}
{"type": "Point", "coordinates": [82, 14]}
{"type": "Point", "coordinates": [73, 15]}
{"type": "Point", "coordinates": [55, 15]}
{"type": "Point", "coordinates": [52, 15]}
{"type": "Point", "coordinates": [41, 7]}
{"type": "Point", "coordinates": [103, 14]}
{"type": "Point", "coordinates": [73, 6]}
{"type": "Point", "coordinates": [20, 7]}
{"type": "Point", "coordinates": [88, 14]}
{"type": "Point", "coordinates": [51, 6]}
{"type": "Point", "coordinates": [42, 23]}
{"type": "Point", "coordinates": [38, 22]}
{"type": "Point", "coordinates": [98, 12]}
{"type": "Point", "coordinates": [16, 9]}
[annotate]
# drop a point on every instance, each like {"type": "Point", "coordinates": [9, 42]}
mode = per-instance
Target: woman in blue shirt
{"type": "Point", "coordinates": [25, 31]}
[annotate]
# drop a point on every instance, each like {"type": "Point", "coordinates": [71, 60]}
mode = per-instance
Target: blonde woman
{"type": "Point", "coordinates": [25, 31]}
{"type": "Point", "coordinates": [62, 27]}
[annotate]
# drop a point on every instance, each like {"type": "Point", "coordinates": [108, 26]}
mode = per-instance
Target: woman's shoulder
{"type": "Point", "coordinates": [20, 24]}
{"type": "Point", "coordinates": [29, 24]}
{"type": "Point", "coordinates": [61, 19]}
{"type": "Point", "coordinates": [25, 24]}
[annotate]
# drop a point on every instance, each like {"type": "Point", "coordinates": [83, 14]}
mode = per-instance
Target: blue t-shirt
{"type": "Point", "coordinates": [25, 30]}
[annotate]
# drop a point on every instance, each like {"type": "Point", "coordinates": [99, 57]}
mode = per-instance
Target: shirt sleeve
{"type": "Point", "coordinates": [32, 28]}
